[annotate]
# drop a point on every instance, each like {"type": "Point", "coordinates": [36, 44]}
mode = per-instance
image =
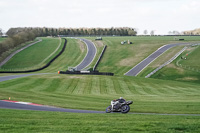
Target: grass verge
{"type": "Point", "coordinates": [34, 121]}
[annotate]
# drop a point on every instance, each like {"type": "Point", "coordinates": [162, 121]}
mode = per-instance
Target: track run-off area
{"type": "Point", "coordinates": [91, 52]}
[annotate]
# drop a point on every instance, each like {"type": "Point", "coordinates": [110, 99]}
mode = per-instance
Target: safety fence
{"type": "Point", "coordinates": [87, 73]}
{"type": "Point", "coordinates": [97, 63]}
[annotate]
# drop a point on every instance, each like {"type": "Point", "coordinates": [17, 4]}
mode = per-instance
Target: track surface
{"type": "Point", "coordinates": [10, 56]}
{"type": "Point", "coordinates": [10, 105]}
{"type": "Point", "coordinates": [18, 106]}
{"type": "Point", "coordinates": [4, 78]}
{"type": "Point", "coordinates": [90, 55]}
{"type": "Point", "coordinates": [139, 67]}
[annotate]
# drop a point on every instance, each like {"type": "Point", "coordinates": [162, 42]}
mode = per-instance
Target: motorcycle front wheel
{"type": "Point", "coordinates": [108, 109]}
{"type": "Point", "coordinates": [125, 109]}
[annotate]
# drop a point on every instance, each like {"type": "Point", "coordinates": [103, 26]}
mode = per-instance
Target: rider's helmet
{"type": "Point", "coordinates": [121, 98]}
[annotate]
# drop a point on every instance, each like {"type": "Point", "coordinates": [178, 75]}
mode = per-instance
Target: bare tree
{"type": "Point", "coordinates": [176, 33]}
{"type": "Point", "coordinates": [152, 32]}
{"type": "Point", "coordinates": [170, 33]}
{"type": "Point", "coordinates": [1, 33]}
{"type": "Point", "coordinates": [145, 32]}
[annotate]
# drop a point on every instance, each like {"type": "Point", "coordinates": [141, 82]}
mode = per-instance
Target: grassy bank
{"type": "Point", "coordinates": [2, 39]}
{"type": "Point", "coordinates": [96, 92]}
{"type": "Point", "coordinates": [181, 69]}
{"type": "Point", "coordinates": [35, 121]}
{"type": "Point", "coordinates": [121, 58]}
{"type": "Point", "coordinates": [74, 53]}
{"type": "Point", "coordinates": [34, 56]}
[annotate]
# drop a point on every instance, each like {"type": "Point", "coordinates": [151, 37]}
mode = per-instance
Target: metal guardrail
{"type": "Point", "coordinates": [166, 63]}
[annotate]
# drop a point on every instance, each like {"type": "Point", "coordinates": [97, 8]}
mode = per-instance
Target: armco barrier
{"type": "Point", "coordinates": [88, 73]}
{"type": "Point", "coordinates": [97, 63]}
{"type": "Point", "coordinates": [34, 70]}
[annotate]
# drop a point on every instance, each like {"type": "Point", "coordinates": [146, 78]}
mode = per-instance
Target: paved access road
{"type": "Point", "coordinates": [90, 54]}
{"type": "Point", "coordinates": [139, 67]}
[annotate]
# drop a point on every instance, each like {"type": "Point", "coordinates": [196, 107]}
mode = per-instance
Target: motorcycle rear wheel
{"type": "Point", "coordinates": [108, 109]}
{"type": "Point", "coordinates": [125, 109]}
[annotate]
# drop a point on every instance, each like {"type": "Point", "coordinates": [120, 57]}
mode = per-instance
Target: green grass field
{"type": "Point", "coordinates": [74, 53]}
{"type": "Point", "coordinates": [35, 121]}
{"type": "Point", "coordinates": [183, 70]}
{"type": "Point", "coordinates": [34, 56]}
{"type": "Point", "coordinates": [160, 60]}
{"type": "Point", "coordinates": [121, 58]}
{"type": "Point", "coordinates": [2, 39]}
{"type": "Point", "coordinates": [192, 58]}
{"type": "Point", "coordinates": [95, 93]}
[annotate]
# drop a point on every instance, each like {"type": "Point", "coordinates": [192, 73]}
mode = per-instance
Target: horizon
{"type": "Point", "coordinates": [152, 15]}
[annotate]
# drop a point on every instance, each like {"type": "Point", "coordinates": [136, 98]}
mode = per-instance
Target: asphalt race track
{"type": "Point", "coordinates": [4, 78]}
{"type": "Point", "coordinates": [90, 55]}
{"type": "Point", "coordinates": [10, 105]}
{"type": "Point", "coordinates": [18, 106]}
{"type": "Point", "coordinates": [143, 64]}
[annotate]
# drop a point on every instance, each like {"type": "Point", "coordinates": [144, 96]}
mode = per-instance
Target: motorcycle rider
{"type": "Point", "coordinates": [121, 100]}
{"type": "Point", "coordinates": [118, 102]}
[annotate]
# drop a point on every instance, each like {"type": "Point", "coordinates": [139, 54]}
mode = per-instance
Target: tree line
{"type": "Point", "coordinates": [192, 32]}
{"type": "Point", "coordinates": [17, 36]}
{"type": "Point", "coordinates": [1, 33]}
{"type": "Point", "coordinates": [124, 31]}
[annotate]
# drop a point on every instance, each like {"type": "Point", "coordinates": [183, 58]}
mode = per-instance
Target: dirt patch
{"type": "Point", "coordinates": [99, 43]}
{"type": "Point", "coordinates": [190, 49]}
{"type": "Point", "coordinates": [81, 45]}
{"type": "Point", "coordinates": [127, 62]}
{"type": "Point", "coordinates": [188, 79]}
{"type": "Point", "coordinates": [137, 57]}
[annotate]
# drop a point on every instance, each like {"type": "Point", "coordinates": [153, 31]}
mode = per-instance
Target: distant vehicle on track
{"type": "Point", "coordinates": [98, 38]}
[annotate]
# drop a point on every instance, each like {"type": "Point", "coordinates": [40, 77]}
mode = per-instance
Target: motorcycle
{"type": "Point", "coordinates": [116, 106]}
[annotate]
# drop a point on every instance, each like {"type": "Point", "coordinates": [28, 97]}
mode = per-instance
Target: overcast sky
{"type": "Point", "coordinates": [159, 15]}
